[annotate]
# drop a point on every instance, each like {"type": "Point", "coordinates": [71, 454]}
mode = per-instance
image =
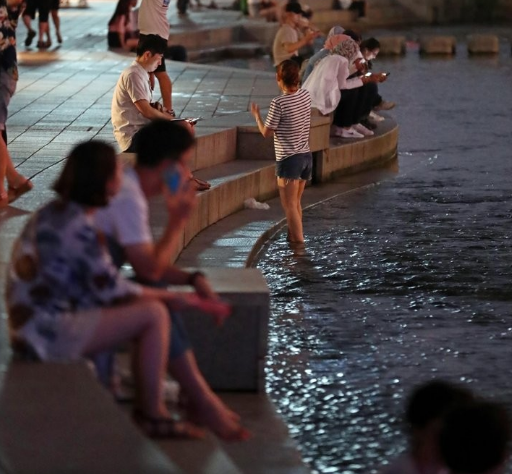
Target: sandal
{"type": "Point", "coordinates": [16, 192]}
{"type": "Point", "coordinates": [200, 184]}
{"type": "Point", "coordinates": [161, 428]}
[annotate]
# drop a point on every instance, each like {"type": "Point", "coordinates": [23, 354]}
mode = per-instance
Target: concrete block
{"type": "Point", "coordinates": [483, 44]}
{"type": "Point", "coordinates": [356, 155]}
{"type": "Point", "coordinates": [392, 45]}
{"type": "Point", "coordinates": [319, 133]}
{"type": "Point", "coordinates": [250, 144]}
{"type": "Point", "coordinates": [57, 419]}
{"type": "Point", "coordinates": [438, 45]}
{"type": "Point", "coordinates": [231, 357]}
{"type": "Point", "coordinates": [215, 148]}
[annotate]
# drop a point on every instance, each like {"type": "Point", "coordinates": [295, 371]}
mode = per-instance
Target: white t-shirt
{"type": "Point", "coordinates": [289, 116]}
{"type": "Point", "coordinates": [133, 85]}
{"type": "Point", "coordinates": [153, 18]}
{"type": "Point", "coordinates": [126, 218]}
{"type": "Point", "coordinates": [285, 34]}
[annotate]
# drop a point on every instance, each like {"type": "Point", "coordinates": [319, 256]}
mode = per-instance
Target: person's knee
{"type": "Point", "coordinates": [156, 315]}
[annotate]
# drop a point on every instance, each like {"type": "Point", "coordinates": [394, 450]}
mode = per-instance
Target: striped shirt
{"type": "Point", "coordinates": [289, 117]}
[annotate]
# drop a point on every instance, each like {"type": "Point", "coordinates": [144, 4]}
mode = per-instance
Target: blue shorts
{"type": "Point", "coordinates": [299, 166]}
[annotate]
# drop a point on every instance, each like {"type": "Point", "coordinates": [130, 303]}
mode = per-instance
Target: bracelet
{"type": "Point", "coordinates": [193, 277]}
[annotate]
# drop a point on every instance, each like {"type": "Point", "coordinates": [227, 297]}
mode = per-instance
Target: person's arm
{"type": "Point", "coordinates": [144, 107]}
{"type": "Point", "coordinates": [180, 301]}
{"type": "Point", "coordinates": [264, 130]}
{"type": "Point", "coordinates": [151, 261]}
{"type": "Point", "coordinates": [308, 38]}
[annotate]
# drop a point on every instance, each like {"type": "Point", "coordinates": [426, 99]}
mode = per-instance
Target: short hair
{"type": "Point", "coordinates": [354, 35]}
{"type": "Point", "coordinates": [475, 438]}
{"type": "Point", "coordinates": [430, 401]}
{"type": "Point", "coordinates": [161, 140]}
{"type": "Point", "coordinates": [152, 43]}
{"type": "Point", "coordinates": [88, 168]}
{"type": "Point", "coordinates": [370, 44]}
{"type": "Point", "coordinates": [288, 72]}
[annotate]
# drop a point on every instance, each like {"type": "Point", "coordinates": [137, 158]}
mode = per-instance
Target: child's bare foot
{"type": "Point", "coordinates": [222, 421]}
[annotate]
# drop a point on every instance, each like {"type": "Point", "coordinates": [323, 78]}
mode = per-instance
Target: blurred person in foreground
{"type": "Point", "coordinates": [67, 301]}
{"type": "Point", "coordinates": [425, 409]}
{"type": "Point", "coordinates": [163, 151]}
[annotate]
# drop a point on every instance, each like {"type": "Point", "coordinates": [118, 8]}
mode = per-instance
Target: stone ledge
{"type": "Point", "coordinates": [483, 44]}
{"type": "Point", "coordinates": [392, 45]}
{"type": "Point", "coordinates": [231, 357]}
{"type": "Point", "coordinates": [438, 45]}
{"type": "Point", "coordinates": [56, 419]}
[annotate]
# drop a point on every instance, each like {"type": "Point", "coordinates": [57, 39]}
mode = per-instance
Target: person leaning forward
{"type": "Point", "coordinates": [164, 147]}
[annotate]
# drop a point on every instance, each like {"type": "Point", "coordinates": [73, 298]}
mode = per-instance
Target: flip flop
{"type": "Point", "coordinates": [201, 185]}
{"type": "Point", "coordinates": [15, 193]}
{"type": "Point", "coordinates": [164, 428]}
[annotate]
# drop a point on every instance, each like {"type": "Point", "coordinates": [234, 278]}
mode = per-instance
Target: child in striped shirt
{"type": "Point", "coordinates": [289, 120]}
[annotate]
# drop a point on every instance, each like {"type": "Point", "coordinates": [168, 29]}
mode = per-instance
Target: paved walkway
{"type": "Point", "coordinates": [64, 93]}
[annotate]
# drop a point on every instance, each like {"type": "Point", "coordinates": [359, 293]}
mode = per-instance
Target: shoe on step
{"type": "Point", "coordinates": [376, 117]}
{"type": "Point", "coordinates": [351, 133]}
{"type": "Point", "coordinates": [360, 128]}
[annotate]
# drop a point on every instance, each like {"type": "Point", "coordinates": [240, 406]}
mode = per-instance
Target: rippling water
{"type": "Point", "coordinates": [402, 281]}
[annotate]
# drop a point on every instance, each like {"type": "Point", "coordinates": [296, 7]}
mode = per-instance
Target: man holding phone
{"type": "Point", "coordinates": [163, 150]}
{"type": "Point", "coordinates": [132, 101]}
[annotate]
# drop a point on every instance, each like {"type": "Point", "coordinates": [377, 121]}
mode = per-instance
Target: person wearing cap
{"type": "Point", "coordinates": [288, 39]}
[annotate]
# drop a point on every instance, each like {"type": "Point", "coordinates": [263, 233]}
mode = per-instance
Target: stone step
{"type": "Point", "coordinates": [319, 5]}
{"type": "Point", "coordinates": [56, 419]}
{"type": "Point", "coordinates": [269, 450]}
{"type": "Point", "coordinates": [326, 19]}
{"type": "Point", "coordinates": [254, 227]}
{"type": "Point", "coordinates": [233, 50]}
{"type": "Point", "coordinates": [255, 31]}
{"type": "Point", "coordinates": [251, 174]}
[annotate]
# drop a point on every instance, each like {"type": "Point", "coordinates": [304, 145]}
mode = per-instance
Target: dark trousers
{"type": "Point", "coordinates": [356, 104]}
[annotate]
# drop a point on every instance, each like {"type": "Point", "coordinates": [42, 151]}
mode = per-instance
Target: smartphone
{"type": "Point", "coordinates": [386, 73]}
{"type": "Point", "coordinates": [172, 177]}
{"type": "Point", "coordinates": [368, 74]}
{"type": "Point", "coordinates": [194, 120]}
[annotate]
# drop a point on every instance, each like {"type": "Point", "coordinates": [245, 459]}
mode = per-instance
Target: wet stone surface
{"type": "Point", "coordinates": [403, 281]}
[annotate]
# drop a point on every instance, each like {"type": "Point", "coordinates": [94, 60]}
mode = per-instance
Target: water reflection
{"type": "Point", "coordinates": [403, 281]}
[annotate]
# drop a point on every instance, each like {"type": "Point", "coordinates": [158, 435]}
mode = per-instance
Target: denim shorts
{"type": "Point", "coordinates": [299, 166]}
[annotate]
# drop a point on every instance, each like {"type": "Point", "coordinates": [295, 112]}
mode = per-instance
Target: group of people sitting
{"type": "Point", "coordinates": [453, 431]}
{"type": "Point", "coordinates": [340, 80]}
{"type": "Point", "coordinates": [338, 76]}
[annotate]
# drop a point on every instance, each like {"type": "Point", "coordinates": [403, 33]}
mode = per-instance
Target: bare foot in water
{"type": "Point", "coordinates": [222, 421]}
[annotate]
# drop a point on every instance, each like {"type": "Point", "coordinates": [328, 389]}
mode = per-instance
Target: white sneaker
{"type": "Point", "coordinates": [350, 133]}
{"type": "Point", "coordinates": [376, 117]}
{"type": "Point", "coordinates": [359, 127]}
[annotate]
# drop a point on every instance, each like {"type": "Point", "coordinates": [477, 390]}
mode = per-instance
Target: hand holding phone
{"type": "Point", "coordinates": [172, 178]}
